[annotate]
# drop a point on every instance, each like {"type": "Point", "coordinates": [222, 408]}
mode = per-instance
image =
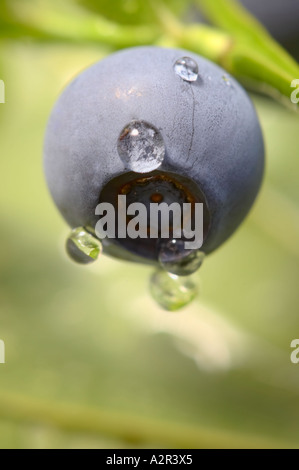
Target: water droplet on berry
{"type": "Point", "coordinates": [141, 147]}
{"type": "Point", "coordinates": [172, 292]}
{"type": "Point", "coordinates": [82, 247]}
{"type": "Point", "coordinates": [226, 79]}
{"type": "Point", "coordinates": [175, 259]}
{"type": "Point", "coordinates": [187, 69]}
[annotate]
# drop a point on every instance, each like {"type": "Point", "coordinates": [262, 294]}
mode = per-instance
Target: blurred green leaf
{"type": "Point", "coordinates": [13, 28]}
{"type": "Point", "coordinates": [132, 12]}
{"type": "Point", "coordinates": [65, 21]}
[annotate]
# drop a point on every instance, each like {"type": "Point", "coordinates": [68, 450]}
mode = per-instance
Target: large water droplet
{"type": "Point", "coordinates": [141, 147]}
{"type": "Point", "coordinates": [172, 292]}
{"type": "Point", "coordinates": [187, 69]}
{"type": "Point", "coordinates": [175, 259]}
{"type": "Point", "coordinates": [82, 247]}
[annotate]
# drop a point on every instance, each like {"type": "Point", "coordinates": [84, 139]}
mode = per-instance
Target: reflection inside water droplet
{"type": "Point", "coordinates": [175, 259]}
{"type": "Point", "coordinates": [172, 292]}
{"type": "Point", "coordinates": [82, 247]}
{"type": "Point", "coordinates": [187, 69]}
{"type": "Point", "coordinates": [141, 147]}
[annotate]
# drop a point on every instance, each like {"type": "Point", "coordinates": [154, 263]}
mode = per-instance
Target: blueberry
{"type": "Point", "coordinates": [203, 143]}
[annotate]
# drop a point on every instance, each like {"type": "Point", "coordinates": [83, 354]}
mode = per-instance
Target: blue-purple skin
{"type": "Point", "coordinates": [210, 129]}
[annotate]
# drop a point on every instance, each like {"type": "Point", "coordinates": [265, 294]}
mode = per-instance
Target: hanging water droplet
{"type": "Point", "coordinates": [82, 247]}
{"type": "Point", "coordinates": [141, 147]}
{"type": "Point", "coordinates": [175, 259]}
{"type": "Point", "coordinates": [187, 69]}
{"type": "Point", "coordinates": [172, 292]}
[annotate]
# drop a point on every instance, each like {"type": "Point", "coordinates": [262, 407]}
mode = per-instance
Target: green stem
{"type": "Point", "coordinates": [203, 39]}
{"type": "Point", "coordinates": [131, 429]}
{"type": "Point", "coordinates": [232, 17]}
{"type": "Point", "coordinates": [243, 62]}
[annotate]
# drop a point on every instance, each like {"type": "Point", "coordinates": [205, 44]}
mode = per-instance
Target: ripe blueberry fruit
{"type": "Point", "coordinates": [199, 140]}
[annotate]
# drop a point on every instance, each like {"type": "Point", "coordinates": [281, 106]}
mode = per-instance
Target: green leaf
{"type": "Point", "coordinates": [132, 12]}
{"type": "Point", "coordinates": [65, 21]}
{"type": "Point", "coordinates": [11, 27]}
{"type": "Point", "coordinates": [253, 56]}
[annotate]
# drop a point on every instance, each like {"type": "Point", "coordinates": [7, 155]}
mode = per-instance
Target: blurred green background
{"type": "Point", "coordinates": [91, 361]}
